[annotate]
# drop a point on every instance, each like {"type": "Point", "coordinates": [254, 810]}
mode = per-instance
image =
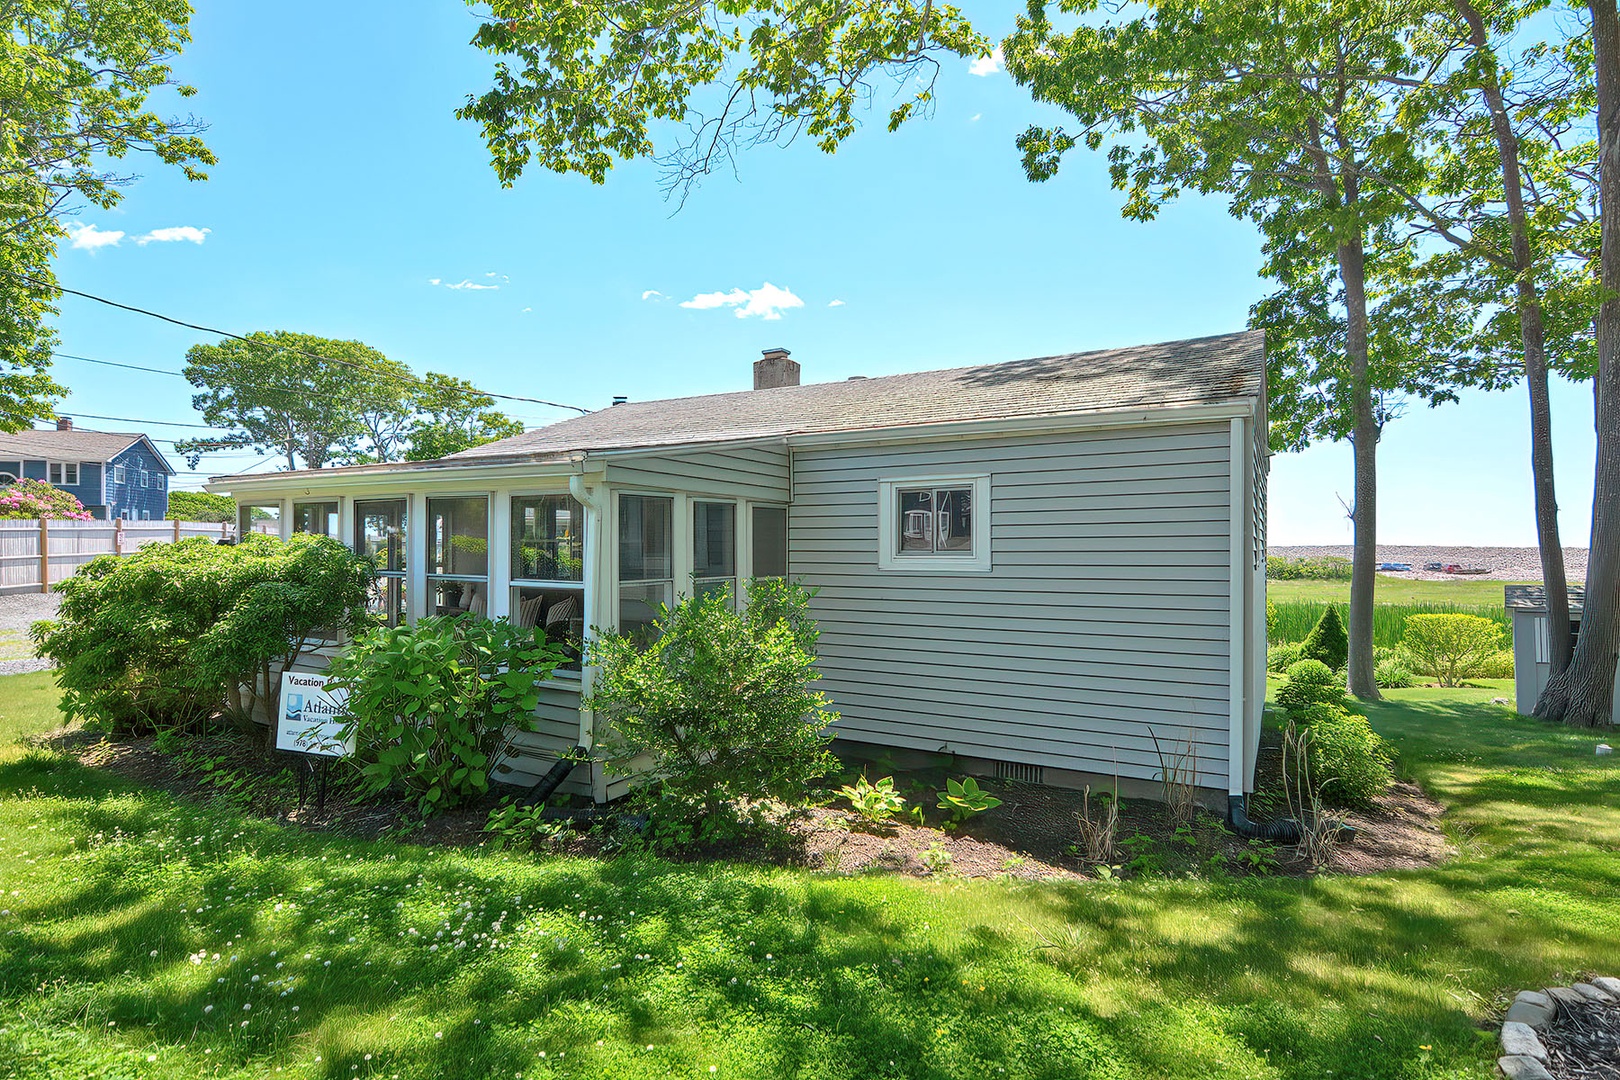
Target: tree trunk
{"type": "Point", "coordinates": [1584, 694]}
{"type": "Point", "coordinates": [1364, 441]}
{"type": "Point", "coordinates": [1532, 333]}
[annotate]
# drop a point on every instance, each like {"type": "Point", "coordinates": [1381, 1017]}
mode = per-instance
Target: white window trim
{"type": "Point", "coordinates": [64, 466]}
{"type": "Point", "coordinates": [118, 474]}
{"type": "Point", "coordinates": [889, 557]}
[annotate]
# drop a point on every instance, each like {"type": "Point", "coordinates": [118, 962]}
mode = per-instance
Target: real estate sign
{"type": "Point", "coordinates": [312, 717]}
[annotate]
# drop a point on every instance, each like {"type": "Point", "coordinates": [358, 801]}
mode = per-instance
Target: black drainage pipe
{"type": "Point", "coordinates": [1282, 831]}
{"type": "Point", "coordinates": [556, 775]}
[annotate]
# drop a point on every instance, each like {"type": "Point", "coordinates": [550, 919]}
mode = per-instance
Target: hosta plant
{"type": "Point", "coordinates": [965, 798]}
{"type": "Point", "coordinates": [877, 802]}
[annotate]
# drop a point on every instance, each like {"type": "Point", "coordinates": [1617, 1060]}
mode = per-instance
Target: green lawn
{"type": "Point", "coordinates": [1391, 589]}
{"type": "Point", "coordinates": [145, 937]}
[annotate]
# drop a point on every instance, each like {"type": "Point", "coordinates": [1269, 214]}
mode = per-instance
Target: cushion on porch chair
{"type": "Point", "coordinates": [559, 615]}
{"type": "Point", "coordinates": [475, 599]}
{"type": "Point", "coordinates": [528, 613]}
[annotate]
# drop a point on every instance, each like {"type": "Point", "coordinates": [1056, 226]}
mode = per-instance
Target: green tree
{"type": "Point", "coordinates": [200, 506]}
{"type": "Point", "coordinates": [453, 415]}
{"type": "Point", "coordinates": [312, 400]}
{"type": "Point", "coordinates": [1583, 694]}
{"type": "Point", "coordinates": [1451, 647]}
{"type": "Point", "coordinates": [579, 87]}
{"type": "Point", "coordinates": [75, 79]}
{"type": "Point", "coordinates": [1291, 111]}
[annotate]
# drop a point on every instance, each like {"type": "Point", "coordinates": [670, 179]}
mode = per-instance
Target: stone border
{"type": "Point", "coordinates": [1523, 1055]}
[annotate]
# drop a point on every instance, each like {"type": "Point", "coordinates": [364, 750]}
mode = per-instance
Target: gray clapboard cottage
{"type": "Point", "coordinates": [1035, 566]}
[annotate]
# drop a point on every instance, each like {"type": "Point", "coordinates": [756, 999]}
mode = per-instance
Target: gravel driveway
{"type": "Point", "coordinates": [18, 612]}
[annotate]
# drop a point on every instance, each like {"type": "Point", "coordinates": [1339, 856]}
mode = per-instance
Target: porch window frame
{"type": "Point", "coordinates": [679, 551]}
{"type": "Point", "coordinates": [889, 556]}
{"type": "Point", "coordinates": [429, 545]}
{"type": "Point", "coordinates": [515, 584]}
{"type": "Point", "coordinates": [56, 473]}
{"type": "Point", "coordinates": [408, 543]}
{"type": "Point", "coordinates": [734, 579]}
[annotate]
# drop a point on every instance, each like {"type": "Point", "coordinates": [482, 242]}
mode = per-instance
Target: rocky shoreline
{"type": "Point", "coordinates": [1500, 563]}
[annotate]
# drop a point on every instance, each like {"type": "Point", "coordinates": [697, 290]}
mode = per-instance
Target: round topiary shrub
{"type": "Point", "coordinates": [1310, 682]}
{"type": "Point", "coordinates": [1317, 713]}
{"type": "Point", "coordinates": [1328, 641]}
{"type": "Point", "coordinates": [1351, 760]}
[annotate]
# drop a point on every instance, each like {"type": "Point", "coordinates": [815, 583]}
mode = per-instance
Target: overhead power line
{"type": "Point", "coordinates": [264, 344]}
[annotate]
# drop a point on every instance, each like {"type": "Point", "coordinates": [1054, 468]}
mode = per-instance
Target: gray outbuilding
{"type": "Point", "coordinates": [1532, 637]}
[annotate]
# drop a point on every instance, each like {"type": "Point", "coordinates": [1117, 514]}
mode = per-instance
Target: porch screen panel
{"type": "Point", "coordinates": [714, 548]}
{"type": "Point", "coordinates": [646, 561]}
{"type": "Point", "coordinates": [320, 518]}
{"type": "Point", "coordinates": [548, 569]}
{"type": "Point", "coordinates": [458, 570]}
{"type": "Point", "coordinates": [258, 517]}
{"type": "Point", "coordinates": [379, 535]}
{"type": "Point", "coordinates": [770, 547]}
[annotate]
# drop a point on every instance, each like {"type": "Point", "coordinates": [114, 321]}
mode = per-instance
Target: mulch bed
{"type": "Point", "coordinates": [1583, 1042]}
{"type": "Point", "coordinates": [1032, 835]}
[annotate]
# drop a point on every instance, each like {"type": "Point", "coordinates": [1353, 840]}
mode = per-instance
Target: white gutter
{"type": "Point", "coordinates": [1237, 622]}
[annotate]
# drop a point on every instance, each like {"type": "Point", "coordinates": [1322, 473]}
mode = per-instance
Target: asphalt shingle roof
{"type": "Point", "coordinates": [1534, 598]}
{"type": "Point", "coordinates": [1177, 373]}
{"type": "Point", "coordinates": [76, 445]}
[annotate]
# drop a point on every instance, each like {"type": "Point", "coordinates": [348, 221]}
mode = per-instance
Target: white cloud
{"type": "Point", "coordinates": [503, 277]}
{"type": "Point", "coordinates": [653, 294]}
{"type": "Point", "coordinates": [974, 119]}
{"type": "Point", "coordinates": [463, 284]}
{"type": "Point", "coordinates": [986, 65]}
{"type": "Point", "coordinates": [835, 303]}
{"type": "Point", "coordinates": [174, 234]}
{"type": "Point", "coordinates": [766, 302]}
{"type": "Point", "coordinates": [89, 238]}
{"type": "Point", "coordinates": [526, 310]}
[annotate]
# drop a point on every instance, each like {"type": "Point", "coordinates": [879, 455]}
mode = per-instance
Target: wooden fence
{"type": "Point", "coordinates": [35, 555]}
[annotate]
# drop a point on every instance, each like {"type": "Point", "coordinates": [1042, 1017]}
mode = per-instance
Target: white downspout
{"type": "Point", "coordinates": [595, 532]}
{"type": "Point", "coordinates": [1237, 631]}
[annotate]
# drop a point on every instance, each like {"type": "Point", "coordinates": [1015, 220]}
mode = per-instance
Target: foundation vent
{"type": "Point", "coordinates": [1024, 774]}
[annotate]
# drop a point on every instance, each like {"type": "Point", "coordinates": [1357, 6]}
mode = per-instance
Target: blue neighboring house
{"type": "Point", "coordinates": [114, 474]}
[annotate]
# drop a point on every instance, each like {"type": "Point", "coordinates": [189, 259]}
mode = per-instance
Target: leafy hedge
{"type": "Point", "coordinates": [172, 634]}
{"type": "Point", "coordinates": [24, 499]}
{"type": "Point", "coordinates": [1324, 568]}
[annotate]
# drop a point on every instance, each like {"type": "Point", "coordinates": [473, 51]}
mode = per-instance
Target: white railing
{"type": "Point", "coordinates": [35, 554]}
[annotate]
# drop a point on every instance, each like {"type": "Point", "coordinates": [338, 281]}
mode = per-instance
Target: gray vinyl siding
{"type": "Point", "coordinates": [759, 473]}
{"type": "Point", "coordinates": [1105, 614]}
{"type": "Point", "coordinates": [557, 732]}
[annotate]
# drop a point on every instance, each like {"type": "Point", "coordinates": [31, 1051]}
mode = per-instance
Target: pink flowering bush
{"type": "Point", "coordinates": [37, 499]}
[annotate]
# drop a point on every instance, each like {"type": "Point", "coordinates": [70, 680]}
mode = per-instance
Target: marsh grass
{"type": "Point", "coordinates": [645, 968]}
{"type": "Point", "coordinates": [1293, 619]}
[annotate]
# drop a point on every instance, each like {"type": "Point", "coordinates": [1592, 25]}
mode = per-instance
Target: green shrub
{"type": "Point", "coordinates": [1393, 675]}
{"type": "Point", "coordinates": [1325, 568]}
{"type": "Point", "coordinates": [1350, 759]}
{"type": "Point", "coordinates": [721, 701]}
{"type": "Point", "coordinates": [1317, 712]}
{"type": "Point", "coordinates": [1499, 666]}
{"type": "Point", "coordinates": [1310, 682]}
{"type": "Point", "coordinates": [964, 798]}
{"type": "Point", "coordinates": [172, 634]}
{"type": "Point", "coordinates": [1327, 641]}
{"type": "Point", "coordinates": [429, 704]}
{"type": "Point", "coordinates": [1295, 618]}
{"type": "Point", "coordinates": [877, 802]}
{"type": "Point", "coordinates": [200, 506]}
{"type": "Point", "coordinates": [1452, 647]}
{"type": "Point", "coordinates": [1279, 658]}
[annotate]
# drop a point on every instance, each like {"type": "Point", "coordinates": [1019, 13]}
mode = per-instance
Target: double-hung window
{"type": "Point", "coordinates": [118, 474]}
{"type": "Point", "coordinates": [548, 569]}
{"type": "Point", "coordinates": [379, 535]}
{"type": "Point", "coordinates": [63, 473]}
{"type": "Point", "coordinates": [714, 548]}
{"type": "Point", "coordinates": [934, 524]}
{"type": "Point", "coordinates": [646, 561]}
{"type": "Point", "coordinates": [458, 547]}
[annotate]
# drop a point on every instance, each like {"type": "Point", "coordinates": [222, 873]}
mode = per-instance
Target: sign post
{"type": "Point", "coordinates": [310, 724]}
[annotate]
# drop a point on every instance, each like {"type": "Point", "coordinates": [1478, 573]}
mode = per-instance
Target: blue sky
{"type": "Point", "coordinates": [346, 188]}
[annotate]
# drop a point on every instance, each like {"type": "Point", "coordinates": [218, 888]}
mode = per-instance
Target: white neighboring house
{"type": "Point", "coordinates": [1034, 566]}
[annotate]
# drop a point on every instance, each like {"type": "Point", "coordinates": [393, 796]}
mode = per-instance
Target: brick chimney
{"type": "Point", "coordinates": [775, 369]}
{"type": "Point", "coordinates": [65, 423]}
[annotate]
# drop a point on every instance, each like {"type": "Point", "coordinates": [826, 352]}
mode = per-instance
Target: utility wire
{"type": "Point", "coordinates": [182, 375]}
{"type": "Point", "coordinates": [263, 344]}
